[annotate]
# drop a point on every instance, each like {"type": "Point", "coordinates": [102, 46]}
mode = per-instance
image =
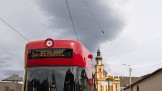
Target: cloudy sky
{"type": "Point", "coordinates": [126, 31]}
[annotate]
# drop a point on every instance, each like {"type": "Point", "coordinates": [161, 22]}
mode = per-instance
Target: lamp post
{"type": "Point", "coordinates": [130, 70]}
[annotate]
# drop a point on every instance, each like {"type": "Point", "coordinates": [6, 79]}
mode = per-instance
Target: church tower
{"type": "Point", "coordinates": [99, 65]}
{"type": "Point", "coordinates": [103, 81]}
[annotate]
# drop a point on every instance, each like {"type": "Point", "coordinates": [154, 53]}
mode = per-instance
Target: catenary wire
{"type": "Point", "coordinates": [97, 22]}
{"type": "Point", "coordinates": [71, 19]}
{"type": "Point", "coordinates": [93, 16]}
{"type": "Point", "coordinates": [111, 44]}
{"type": "Point", "coordinates": [105, 34]}
{"type": "Point", "coordinates": [101, 29]}
{"type": "Point", "coordinates": [142, 68]}
{"type": "Point", "coordinates": [134, 49]}
{"type": "Point", "coordinates": [14, 29]}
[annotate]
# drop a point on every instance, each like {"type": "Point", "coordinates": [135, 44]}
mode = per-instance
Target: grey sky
{"type": "Point", "coordinates": [88, 31]}
{"type": "Point", "coordinates": [129, 27]}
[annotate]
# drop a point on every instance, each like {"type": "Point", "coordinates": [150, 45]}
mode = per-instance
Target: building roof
{"type": "Point", "coordinates": [105, 72]}
{"type": "Point", "coordinates": [14, 77]}
{"type": "Point", "coordinates": [145, 77]}
{"type": "Point", "coordinates": [125, 81]}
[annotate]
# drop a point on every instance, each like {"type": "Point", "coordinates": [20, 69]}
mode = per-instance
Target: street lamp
{"type": "Point", "coordinates": [130, 70]}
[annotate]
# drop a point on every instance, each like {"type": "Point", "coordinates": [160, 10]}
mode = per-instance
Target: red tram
{"type": "Point", "coordinates": [57, 65]}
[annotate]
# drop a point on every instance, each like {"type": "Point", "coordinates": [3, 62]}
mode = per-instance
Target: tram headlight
{"type": "Point", "coordinates": [49, 42]}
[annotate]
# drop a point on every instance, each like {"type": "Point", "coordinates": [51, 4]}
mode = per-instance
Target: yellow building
{"type": "Point", "coordinates": [104, 82]}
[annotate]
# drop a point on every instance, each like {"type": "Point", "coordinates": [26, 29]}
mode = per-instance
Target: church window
{"type": "Point", "coordinates": [100, 70]}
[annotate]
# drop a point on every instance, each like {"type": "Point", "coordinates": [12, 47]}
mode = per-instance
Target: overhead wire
{"type": "Point", "coordinates": [105, 34]}
{"type": "Point", "coordinates": [140, 46]}
{"type": "Point", "coordinates": [93, 16]}
{"type": "Point", "coordinates": [71, 18]}
{"type": "Point", "coordinates": [97, 22]}
{"type": "Point", "coordinates": [152, 67]}
{"type": "Point", "coordinates": [142, 68]}
{"type": "Point", "coordinates": [101, 29]}
{"type": "Point", "coordinates": [14, 30]}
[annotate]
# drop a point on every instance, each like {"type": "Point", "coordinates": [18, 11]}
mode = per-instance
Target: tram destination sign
{"type": "Point", "coordinates": [50, 53]}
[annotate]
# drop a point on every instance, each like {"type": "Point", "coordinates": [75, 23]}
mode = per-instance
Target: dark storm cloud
{"type": "Point", "coordinates": [87, 29]}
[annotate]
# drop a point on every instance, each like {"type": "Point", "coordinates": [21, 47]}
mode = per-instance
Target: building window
{"type": "Point", "coordinates": [101, 87]}
{"type": "Point", "coordinates": [131, 88]}
{"type": "Point", "coordinates": [100, 70]}
{"type": "Point", "coordinates": [116, 87]}
{"type": "Point", "coordinates": [137, 88]}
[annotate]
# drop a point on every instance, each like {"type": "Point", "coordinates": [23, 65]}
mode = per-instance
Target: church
{"type": "Point", "coordinates": [104, 82]}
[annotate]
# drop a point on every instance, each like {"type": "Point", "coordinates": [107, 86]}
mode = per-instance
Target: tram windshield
{"type": "Point", "coordinates": [55, 79]}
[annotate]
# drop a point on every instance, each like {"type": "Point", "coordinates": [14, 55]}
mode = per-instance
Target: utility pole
{"type": "Point", "coordinates": [130, 80]}
{"type": "Point", "coordinates": [130, 77]}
